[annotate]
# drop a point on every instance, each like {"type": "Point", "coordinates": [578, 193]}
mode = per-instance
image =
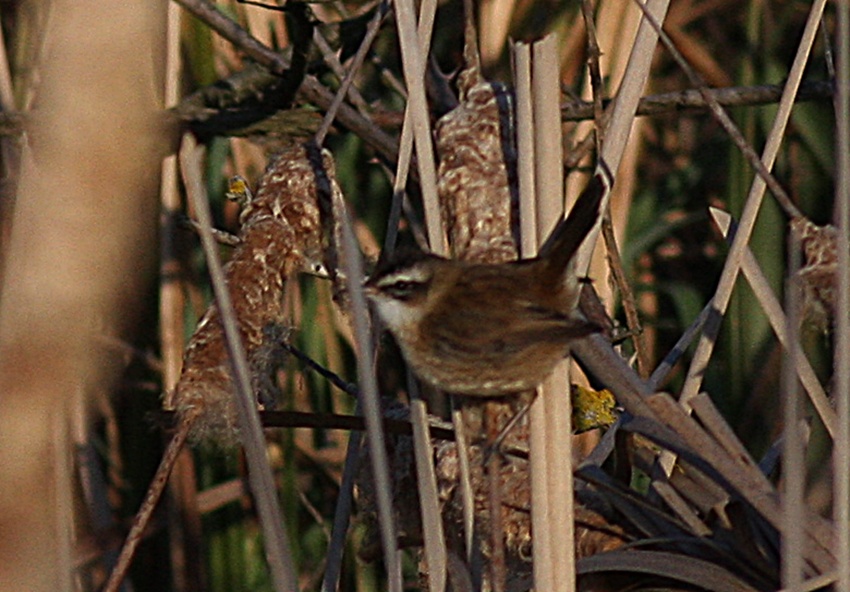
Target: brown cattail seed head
{"type": "Point", "coordinates": [477, 180]}
{"type": "Point", "coordinates": [817, 275]}
{"type": "Point", "coordinates": [280, 236]}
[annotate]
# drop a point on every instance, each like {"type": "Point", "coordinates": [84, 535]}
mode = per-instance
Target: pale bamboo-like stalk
{"type": "Point", "coordinates": [555, 391]}
{"type": "Point", "coordinates": [171, 295]}
{"type": "Point", "coordinates": [82, 208]}
{"type": "Point", "coordinates": [541, 206]}
{"type": "Point", "coordinates": [529, 239]}
{"type": "Point", "coordinates": [544, 570]}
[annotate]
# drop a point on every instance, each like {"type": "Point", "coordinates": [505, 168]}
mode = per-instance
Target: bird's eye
{"type": "Point", "coordinates": [405, 289]}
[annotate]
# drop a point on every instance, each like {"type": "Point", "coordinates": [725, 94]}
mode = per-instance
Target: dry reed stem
{"type": "Point", "coordinates": [413, 60]}
{"type": "Point", "coordinates": [171, 295]}
{"type": "Point", "coordinates": [628, 95]}
{"type": "Point", "coordinates": [793, 442]}
{"type": "Point", "coordinates": [352, 267]}
{"type": "Point", "coordinates": [427, 15]}
{"type": "Point", "coordinates": [841, 365]}
{"type": "Point", "coordinates": [556, 514]}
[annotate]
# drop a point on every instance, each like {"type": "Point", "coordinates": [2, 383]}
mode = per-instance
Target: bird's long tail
{"type": "Point", "coordinates": [566, 238]}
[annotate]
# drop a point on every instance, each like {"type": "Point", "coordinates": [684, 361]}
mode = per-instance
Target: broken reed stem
{"type": "Point", "coordinates": [152, 497]}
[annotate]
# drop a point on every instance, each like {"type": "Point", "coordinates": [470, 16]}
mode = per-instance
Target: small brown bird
{"type": "Point", "coordinates": [489, 329]}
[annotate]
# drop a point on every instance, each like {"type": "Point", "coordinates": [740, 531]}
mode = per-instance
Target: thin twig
{"type": "Point", "coordinates": [693, 100]}
{"type": "Point", "coordinates": [311, 88]}
{"type": "Point", "coordinates": [627, 297]}
{"type": "Point", "coordinates": [143, 516]}
{"type": "Point", "coordinates": [359, 57]}
{"type": "Point", "coordinates": [594, 53]}
{"type": "Point", "coordinates": [334, 378]}
{"type": "Point", "coordinates": [221, 236]}
{"type": "Point", "coordinates": [726, 122]}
